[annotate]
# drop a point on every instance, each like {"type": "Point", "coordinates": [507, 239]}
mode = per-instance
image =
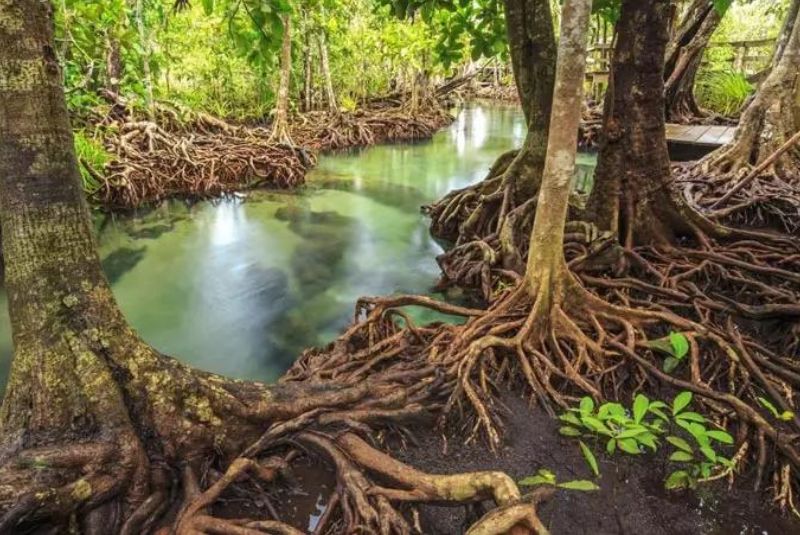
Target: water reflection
{"type": "Point", "coordinates": [240, 288]}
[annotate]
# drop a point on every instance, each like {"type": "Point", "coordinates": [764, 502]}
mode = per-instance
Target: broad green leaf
{"type": "Point", "coordinates": [534, 480]}
{"type": "Point", "coordinates": [611, 446]}
{"type": "Point", "coordinates": [658, 412]}
{"type": "Point", "coordinates": [679, 443]}
{"type": "Point", "coordinates": [590, 458]}
{"type": "Point", "coordinates": [709, 452]}
{"type": "Point", "coordinates": [649, 440]}
{"type": "Point", "coordinates": [570, 418]}
{"type": "Point", "coordinates": [586, 405]}
{"type": "Point", "coordinates": [208, 6]}
{"type": "Point", "coordinates": [692, 417]}
{"type": "Point", "coordinates": [579, 484]}
{"type": "Point", "coordinates": [569, 431]}
{"type": "Point", "coordinates": [680, 345]}
{"type": "Point", "coordinates": [677, 480]}
{"type": "Point", "coordinates": [596, 425]}
{"type": "Point", "coordinates": [721, 6]}
{"type": "Point", "coordinates": [681, 456]}
{"type": "Point", "coordinates": [670, 364]}
{"type": "Point", "coordinates": [720, 436]}
{"type": "Point", "coordinates": [640, 405]}
{"type": "Point", "coordinates": [680, 402]}
{"type": "Point", "coordinates": [628, 445]}
{"type": "Point", "coordinates": [631, 433]}
{"type": "Point", "coordinates": [786, 416]}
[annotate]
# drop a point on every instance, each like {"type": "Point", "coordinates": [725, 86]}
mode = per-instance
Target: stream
{"type": "Point", "coordinates": [241, 286]}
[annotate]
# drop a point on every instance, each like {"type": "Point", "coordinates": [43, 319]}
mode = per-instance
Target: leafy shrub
{"type": "Point", "coordinates": [635, 430]}
{"type": "Point", "coordinates": [90, 152]}
{"type": "Point", "coordinates": [723, 92]}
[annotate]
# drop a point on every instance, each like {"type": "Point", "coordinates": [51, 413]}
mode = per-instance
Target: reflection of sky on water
{"type": "Point", "coordinates": [240, 288]}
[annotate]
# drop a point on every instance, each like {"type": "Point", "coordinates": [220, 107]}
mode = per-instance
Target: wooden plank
{"type": "Point", "coordinates": [711, 135]}
{"type": "Point", "coordinates": [699, 134]}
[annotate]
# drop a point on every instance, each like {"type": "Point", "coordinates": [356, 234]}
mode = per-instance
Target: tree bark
{"type": "Point", "coordinates": [546, 264]}
{"type": "Point", "coordinates": [308, 66]}
{"type": "Point", "coordinates": [113, 65]}
{"type": "Point", "coordinates": [531, 38]}
{"type": "Point", "coordinates": [786, 31]}
{"type": "Point", "coordinates": [771, 119]}
{"type": "Point", "coordinates": [683, 57]}
{"type": "Point", "coordinates": [96, 424]}
{"type": "Point", "coordinates": [631, 195]}
{"type": "Point", "coordinates": [330, 95]}
{"type": "Point", "coordinates": [144, 37]}
{"type": "Point", "coordinates": [280, 124]}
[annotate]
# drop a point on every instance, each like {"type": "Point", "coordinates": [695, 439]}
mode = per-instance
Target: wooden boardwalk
{"type": "Point", "coordinates": [709, 137]}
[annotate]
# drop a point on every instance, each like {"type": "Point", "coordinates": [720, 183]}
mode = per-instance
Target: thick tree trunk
{"type": "Point", "coordinates": [683, 57]}
{"type": "Point", "coordinates": [96, 425]}
{"type": "Point", "coordinates": [330, 95]}
{"type": "Point", "coordinates": [280, 124]}
{"type": "Point", "coordinates": [786, 32]}
{"type": "Point", "coordinates": [770, 120]}
{"type": "Point", "coordinates": [529, 24]}
{"type": "Point", "coordinates": [631, 194]}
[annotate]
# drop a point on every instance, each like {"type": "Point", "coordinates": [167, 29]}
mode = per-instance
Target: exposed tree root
{"type": "Point", "coordinates": [368, 126]}
{"type": "Point", "coordinates": [737, 304]}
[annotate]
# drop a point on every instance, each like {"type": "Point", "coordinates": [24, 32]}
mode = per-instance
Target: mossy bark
{"type": "Point", "coordinates": [529, 25]}
{"type": "Point", "coordinates": [631, 195]}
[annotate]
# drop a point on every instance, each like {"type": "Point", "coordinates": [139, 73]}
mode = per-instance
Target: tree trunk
{"type": "Point", "coordinates": [770, 120]}
{"type": "Point", "coordinates": [546, 267]}
{"type": "Point", "coordinates": [683, 57]}
{"type": "Point", "coordinates": [529, 24]}
{"type": "Point", "coordinates": [144, 38]}
{"type": "Point", "coordinates": [113, 65]}
{"type": "Point", "coordinates": [631, 194]}
{"type": "Point", "coordinates": [308, 65]}
{"type": "Point", "coordinates": [280, 124]}
{"type": "Point", "coordinates": [96, 425]}
{"type": "Point", "coordinates": [330, 96]}
{"type": "Point", "coordinates": [786, 31]}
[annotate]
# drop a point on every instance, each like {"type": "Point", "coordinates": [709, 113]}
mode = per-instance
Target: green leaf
{"type": "Point", "coordinates": [670, 364]}
{"type": "Point", "coordinates": [679, 443]}
{"type": "Point", "coordinates": [786, 416]}
{"type": "Point", "coordinates": [680, 345]}
{"type": "Point", "coordinates": [533, 481]}
{"type": "Point", "coordinates": [658, 412]}
{"type": "Point", "coordinates": [208, 6]}
{"type": "Point", "coordinates": [677, 480]}
{"type": "Point", "coordinates": [692, 417]}
{"type": "Point", "coordinates": [579, 484]}
{"type": "Point", "coordinates": [681, 456]}
{"type": "Point", "coordinates": [721, 6]}
{"type": "Point", "coordinates": [596, 425]}
{"type": "Point", "coordinates": [590, 458]}
{"type": "Point", "coordinates": [680, 402]}
{"type": "Point", "coordinates": [720, 436]}
{"type": "Point", "coordinates": [769, 406]}
{"type": "Point", "coordinates": [640, 405]}
{"type": "Point", "coordinates": [631, 433]}
{"type": "Point", "coordinates": [628, 445]}
{"type": "Point", "coordinates": [710, 454]}
{"type": "Point", "coordinates": [696, 430]}
{"type": "Point", "coordinates": [611, 446]}
{"type": "Point", "coordinates": [586, 405]}
{"type": "Point", "coordinates": [571, 418]}
{"type": "Point", "coordinates": [569, 431]}
{"type": "Point", "coordinates": [649, 440]}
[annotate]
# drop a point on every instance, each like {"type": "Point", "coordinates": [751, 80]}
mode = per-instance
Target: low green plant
{"type": "Point", "coordinates": [724, 92]}
{"type": "Point", "coordinates": [91, 155]}
{"type": "Point", "coordinates": [635, 430]}
{"type": "Point", "coordinates": [675, 346]}
{"type": "Point", "coordinates": [784, 416]}
{"type": "Point", "coordinates": [546, 477]}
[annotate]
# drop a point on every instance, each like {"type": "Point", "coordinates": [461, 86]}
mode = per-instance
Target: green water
{"type": "Point", "coordinates": [241, 286]}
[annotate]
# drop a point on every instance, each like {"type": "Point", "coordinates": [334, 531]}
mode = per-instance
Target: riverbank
{"type": "Point", "coordinates": [177, 153]}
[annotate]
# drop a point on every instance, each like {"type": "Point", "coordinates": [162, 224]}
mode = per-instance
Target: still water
{"type": "Point", "coordinates": [241, 286]}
